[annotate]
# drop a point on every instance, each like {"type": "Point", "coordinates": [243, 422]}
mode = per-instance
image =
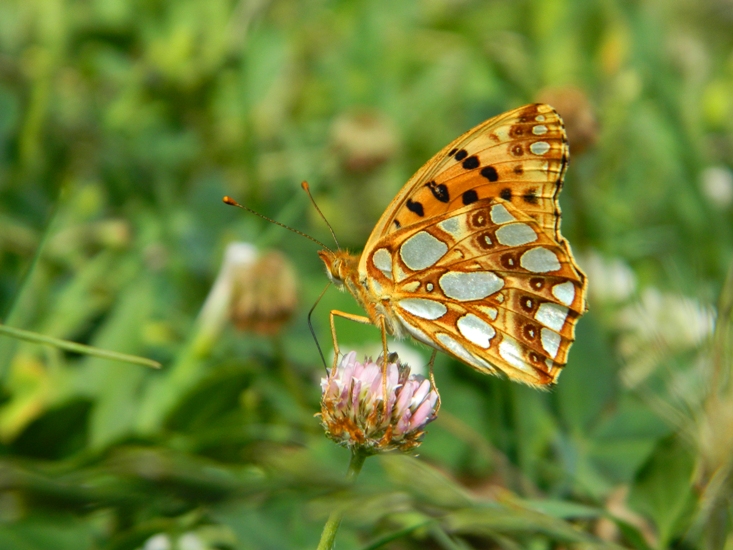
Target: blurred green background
{"type": "Point", "coordinates": [124, 122]}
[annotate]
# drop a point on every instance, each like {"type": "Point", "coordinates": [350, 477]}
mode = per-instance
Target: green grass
{"type": "Point", "coordinates": [122, 125]}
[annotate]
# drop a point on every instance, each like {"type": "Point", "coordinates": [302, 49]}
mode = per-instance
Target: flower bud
{"type": "Point", "coordinates": [577, 113]}
{"type": "Point", "coordinates": [265, 294]}
{"type": "Point", "coordinates": [256, 292]}
{"type": "Point", "coordinates": [363, 140]}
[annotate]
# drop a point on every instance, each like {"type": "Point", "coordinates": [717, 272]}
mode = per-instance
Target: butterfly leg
{"type": "Point", "coordinates": [351, 317]}
{"type": "Point", "coordinates": [383, 328]}
{"type": "Point", "coordinates": [365, 321]}
{"type": "Point", "coordinates": [385, 355]}
{"type": "Point", "coordinates": [432, 378]}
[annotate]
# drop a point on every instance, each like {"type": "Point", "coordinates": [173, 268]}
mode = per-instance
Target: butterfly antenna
{"type": "Point", "coordinates": [307, 189]}
{"type": "Point", "coordinates": [313, 332]}
{"type": "Point", "coordinates": [230, 201]}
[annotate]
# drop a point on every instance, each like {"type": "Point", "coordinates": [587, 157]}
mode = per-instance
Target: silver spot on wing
{"type": "Point", "coordinates": [550, 341]}
{"type": "Point", "coordinates": [472, 285]}
{"type": "Point", "coordinates": [510, 351]}
{"type": "Point", "coordinates": [565, 292]}
{"type": "Point", "coordinates": [422, 250]}
{"type": "Point", "coordinates": [539, 147]}
{"type": "Point", "coordinates": [423, 308]}
{"type": "Point", "coordinates": [515, 234]}
{"type": "Point", "coordinates": [499, 214]}
{"type": "Point", "coordinates": [552, 315]}
{"type": "Point", "coordinates": [382, 260]}
{"type": "Point", "coordinates": [476, 330]}
{"type": "Point", "coordinates": [539, 260]}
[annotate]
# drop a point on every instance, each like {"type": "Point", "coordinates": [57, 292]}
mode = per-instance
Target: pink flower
{"type": "Point", "coordinates": [355, 413]}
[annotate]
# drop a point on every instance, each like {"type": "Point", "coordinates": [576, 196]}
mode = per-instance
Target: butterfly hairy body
{"type": "Point", "coordinates": [468, 258]}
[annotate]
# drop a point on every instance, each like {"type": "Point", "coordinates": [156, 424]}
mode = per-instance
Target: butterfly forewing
{"type": "Point", "coordinates": [519, 156]}
{"type": "Point", "coordinates": [487, 285]}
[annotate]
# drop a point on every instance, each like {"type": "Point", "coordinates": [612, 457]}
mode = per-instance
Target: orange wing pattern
{"type": "Point", "coordinates": [468, 258]}
{"type": "Point", "coordinates": [519, 156]}
{"type": "Point", "coordinates": [486, 285]}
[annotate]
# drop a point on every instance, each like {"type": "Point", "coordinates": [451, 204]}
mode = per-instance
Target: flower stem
{"type": "Point", "coordinates": [67, 345]}
{"type": "Point", "coordinates": [328, 536]}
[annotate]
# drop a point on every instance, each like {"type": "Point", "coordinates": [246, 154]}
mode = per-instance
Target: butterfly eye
{"type": "Point", "coordinates": [334, 267]}
{"type": "Point", "coordinates": [333, 272]}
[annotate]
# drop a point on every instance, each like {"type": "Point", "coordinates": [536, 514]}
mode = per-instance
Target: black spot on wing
{"type": "Point", "coordinates": [530, 196]}
{"type": "Point", "coordinates": [528, 304]}
{"type": "Point", "coordinates": [439, 190]}
{"type": "Point", "coordinates": [471, 162]}
{"type": "Point", "coordinates": [489, 172]}
{"type": "Point", "coordinates": [460, 155]}
{"type": "Point", "coordinates": [509, 261]}
{"type": "Point", "coordinates": [530, 331]}
{"type": "Point", "coordinates": [416, 207]}
{"type": "Point", "coordinates": [506, 194]}
{"type": "Point", "coordinates": [469, 197]}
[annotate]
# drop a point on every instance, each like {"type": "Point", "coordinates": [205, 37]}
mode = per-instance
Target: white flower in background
{"type": "Point", "coordinates": [187, 541]}
{"type": "Point", "coordinates": [680, 321]}
{"type": "Point", "coordinates": [658, 325]}
{"type": "Point", "coordinates": [362, 411]}
{"type": "Point", "coordinates": [161, 541]}
{"type": "Point", "coordinates": [364, 140]}
{"type": "Point", "coordinates": [609, 279]}
{"type": "Point", "coordinates": [215, 311]}
{"type": "Point", "coordinates": [717, 185]}
{"type": "Point", "coordinates": [191, 541]}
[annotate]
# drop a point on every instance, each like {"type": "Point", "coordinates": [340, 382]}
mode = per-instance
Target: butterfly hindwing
{"type": "Point", "coordinates": [487, 285]}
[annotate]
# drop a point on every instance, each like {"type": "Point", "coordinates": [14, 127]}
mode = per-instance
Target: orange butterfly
{"type": "Point", "coordinates": [468, 257]}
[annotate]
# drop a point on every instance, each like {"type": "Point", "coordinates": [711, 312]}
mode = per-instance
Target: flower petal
{"type": "Point", "coordinates": [356, 412]}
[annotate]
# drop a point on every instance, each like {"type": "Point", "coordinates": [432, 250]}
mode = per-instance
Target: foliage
{"type": "Point", "coordinates": [123, 123]}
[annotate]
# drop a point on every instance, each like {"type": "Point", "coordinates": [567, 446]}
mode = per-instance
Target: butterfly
{"type": "Point", "coordinates": [468, 258]}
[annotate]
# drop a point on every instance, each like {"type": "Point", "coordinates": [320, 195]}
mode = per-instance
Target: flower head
{"type": "Point", "coordinates": [264, 294]}
{"type": "Point", "coordinates": [361, 409]}
{"type": "Point", "coordinates": [577, 111]}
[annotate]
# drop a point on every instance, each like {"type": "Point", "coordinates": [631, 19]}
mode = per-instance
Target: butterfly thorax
{"type": "Point", "coordinates": [342, 269]}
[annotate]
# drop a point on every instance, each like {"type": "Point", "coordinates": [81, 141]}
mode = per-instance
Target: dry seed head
{"type": "Point", "coordinates": [264, 294]}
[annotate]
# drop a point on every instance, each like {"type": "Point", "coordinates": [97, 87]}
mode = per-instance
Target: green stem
{"type": "Point", "coordinates": [18, 312]}
{"type": "Point", "coordinates": [328, 536]}
{"type": "Point", "coordinates": [76, 348]}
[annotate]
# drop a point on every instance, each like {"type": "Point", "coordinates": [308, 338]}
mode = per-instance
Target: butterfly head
{"type": "Point", "coordinates": [339, 264]}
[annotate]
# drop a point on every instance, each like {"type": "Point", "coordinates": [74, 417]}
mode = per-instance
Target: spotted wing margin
{"type": "Point", "coordinates": [520, 156]}
{"type": "Point", "coordinates": [488, 298]}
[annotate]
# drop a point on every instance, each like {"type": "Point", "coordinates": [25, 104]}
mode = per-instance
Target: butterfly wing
{"type": "Point", "coordinates": [519, 156]}
{"type": "Point", "coordinates": [485, 284]}
{"type": "Point", "coordinates": [469, 258]}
